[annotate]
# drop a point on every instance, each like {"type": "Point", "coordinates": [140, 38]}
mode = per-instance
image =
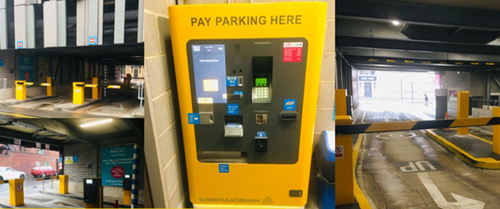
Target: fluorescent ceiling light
{"type": "Point", "coordinates": [94, 123]}
{"type": "Point", "coordinates": [396, 23]}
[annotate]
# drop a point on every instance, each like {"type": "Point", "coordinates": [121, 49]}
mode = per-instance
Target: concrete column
{"type": "Point", "coordinates": [119, 22]}
{"type": "Point", "coordinates": [81, 23]}
{"type": "Point", "coordinates": [20, 23]}
{"type": "Point", "coordinates": [496, 132]}
{"type": "Point", "coordinates": [463, 110]}
{"type": "Point", "coordinates": [3, 24]}
{"type": "Point", "coordinates": [30, 27]}
{"type": "Point", "coordinates": [140, 24]}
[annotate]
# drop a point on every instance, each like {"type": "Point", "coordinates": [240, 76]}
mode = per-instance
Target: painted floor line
{"type": "Point", "coordinates": [477, 137]}
{"type": "Point", "coordinates": [17, 115]}
{"type": "Point", "coordinates": [360, 197]}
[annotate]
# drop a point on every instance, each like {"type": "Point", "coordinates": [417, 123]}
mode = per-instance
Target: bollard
{"type": "Point", "coordinates": [496, 132]}
{"type": "Point", "coordinates": [96, 94]}
{"type": "Point", "coordinates": [63, 184]}
{"type": "Point", "coordinates": [463, 110]}
{"type": "Point", "coordinates": [344, 172]}
{"type": "Point", "coordinates": [78, 92]}
{"type": "Point", "coordinates": [20, 90]}
{"type": "Point", "coordinates": [16, 188]}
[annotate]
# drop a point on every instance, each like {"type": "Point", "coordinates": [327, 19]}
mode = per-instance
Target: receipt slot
{"type": "Point", "coordinates": [247, 79]}
{"type": "Point", "coordinates": [92, 193]}
{"type": "Point", "coordinates": [127, 189]}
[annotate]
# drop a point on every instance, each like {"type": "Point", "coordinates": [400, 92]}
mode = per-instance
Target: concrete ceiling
{"type": "Point", "coordinates": [431, 30]}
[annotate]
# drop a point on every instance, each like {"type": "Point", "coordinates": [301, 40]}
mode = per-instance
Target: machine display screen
{"type": "Point", "coordinates": [89, 181]}
{"type": "Point", "coordinates": [209, 65]}
{"type": "Point", "coordinates": [261, 82]}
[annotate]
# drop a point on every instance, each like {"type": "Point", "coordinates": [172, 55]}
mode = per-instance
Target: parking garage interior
{"type": "Point", "coordinates": [72, 150]}
{"type": "Point", "coordinates": [390, 54]}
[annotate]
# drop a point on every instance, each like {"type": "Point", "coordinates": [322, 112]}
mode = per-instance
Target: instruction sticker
{"type": "Point", "coordinates": [289, 104]}
{"type": "Point", "coordinates": [234, 81]}
{"type": "Point", "coordinates": [233, 109]}
{"type": "Point", "coordinates": [223, 168]}
{"type": "Point", "coordinates": [292, 51]}
{"type": "Point", "coordinates": [194, 118]}
{"type": "Point", "coordinates": [261, 134]}
{"type": "Point", "coordinates": [339, 151]}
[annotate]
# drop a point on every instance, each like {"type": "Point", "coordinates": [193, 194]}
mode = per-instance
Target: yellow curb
{"type": "Point", "coordinates": [360, 197]}
{"type": "Point", "coordinates": [485, 163]}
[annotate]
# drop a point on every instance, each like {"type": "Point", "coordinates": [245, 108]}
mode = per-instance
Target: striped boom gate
{"type": "Point", "coordinates": [415, 125]}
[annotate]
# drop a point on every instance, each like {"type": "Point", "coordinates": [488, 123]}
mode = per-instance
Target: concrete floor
{"type": "Point", "coordinates": [408, 170]}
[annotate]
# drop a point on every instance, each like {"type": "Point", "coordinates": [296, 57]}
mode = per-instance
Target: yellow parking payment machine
{"type": "Point", "coordinates": [247, 79]}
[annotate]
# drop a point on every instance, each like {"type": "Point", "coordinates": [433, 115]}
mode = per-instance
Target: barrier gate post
{"type": "Point", "coordinates": [16, 190]}
{"type": "Point", "coordinates": [463, 110]}
{"type": "Point", "coordinates": [344, 171]}
{"type": "Point", "coordinates": [49, 86]}
{"type": "Point", "coordinates": [95, 90]}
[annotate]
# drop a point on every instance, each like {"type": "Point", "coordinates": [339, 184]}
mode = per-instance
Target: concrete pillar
{"type": "Point", "coordinates": [119, 22]}
{"type": "Point", "coordinates": [20, 23]}
{"type": "Point", "coordinates": [3, 24]}
{"type": "Point", "coordinates": [463, 110]}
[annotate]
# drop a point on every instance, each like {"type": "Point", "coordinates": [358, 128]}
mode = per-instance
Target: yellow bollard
{"type": "Point", "coordinates": [463, 110]}
{"type": "Point", "coordinates": [344, 171]}
{"type": "Point", "coordinates": [95, 90]}
{"type": "Point", "coordinates": [49, 87]}
{"type": "Point", "coordinates": [127, 197]}
{"type": "Point", "coordinates": [78, 92]}
{"type": "Point", "coordinates": [20, 90]}
{"type": "Point", "coordinates": [16, 188]}
{"type": "Point", "coordinates": [496, 132]}
{"type": "Point", "coordinates": [63, 184]}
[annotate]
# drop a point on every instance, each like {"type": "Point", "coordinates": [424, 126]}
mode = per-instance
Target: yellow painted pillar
{"type": "Point", "coordinates": [20, 90]}
{"type": "Point", "coordinates": [127, 197]}
{"type": "Point", "coordinates": [496, 132]}
{"type": "Point", "coordinates": [463, 110]}
{"type": "Point", "coordinates": [95, 90]}
{"type": "Point", "coordinates": [344, 171]}
{"type": "Point", "coordinates": [63, 184]}
{"type": "Point", "coordinates": [16, 188]}
{"type": "Point", "coordinates": [49, 87]}
{"type": "Point", "coordinates": [78, 92]}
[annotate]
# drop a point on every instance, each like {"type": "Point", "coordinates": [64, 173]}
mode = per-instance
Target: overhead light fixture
{"type": "Point", "coordinates": [396, 23]}
{"type": "Point", "coordinates": [94, 123]}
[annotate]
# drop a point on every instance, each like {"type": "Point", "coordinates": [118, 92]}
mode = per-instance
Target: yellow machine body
{"type": "Point", "coordinates": [16, 188]}
{"type": "Point", "coordinates": [20, 90]}
{"type": "Point", "coordinates": [63, 184]}
{"type": "Point", "coordinates": [78, 92]}
{"type": "Point", "coordinates": [249, 185]}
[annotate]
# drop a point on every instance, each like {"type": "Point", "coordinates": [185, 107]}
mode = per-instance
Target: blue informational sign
{"type": "Point", "coordinates": [75, 158]}
{"type": "Point", "coordinates": [194, 118]}
{"type": "Point", "coordinates": [116, 162]}
{"type": "Point", "coordinates": [232, 81]}
{"type": "Point", "coordinates": [233, 109]}
{"type": "Point", "coordinates": [209, 66]}
{"type": "Point", "coordinates": [261, 134]}
{"type": "Point", "coordinates": [238, 92]}
{"type": "Point", "coordinates": [20, 44]}
{"type": "Point", "coordinates": [223, 168]}
{"type": "Point", "coordinates": [289, 104]}
{"type": "Point", "coordinates": [1, 63]}
{"type": "Point", "coordinates": [27, 68]}
{"type": "Point", "coordinates": [60, 159]}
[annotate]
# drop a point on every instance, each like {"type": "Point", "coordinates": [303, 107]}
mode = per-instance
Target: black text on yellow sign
{"type": "Point", "coordinates": [246, 20]}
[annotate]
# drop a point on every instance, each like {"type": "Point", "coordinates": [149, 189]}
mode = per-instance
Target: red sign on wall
{"type": "Point", "coordinates": [117, 172]}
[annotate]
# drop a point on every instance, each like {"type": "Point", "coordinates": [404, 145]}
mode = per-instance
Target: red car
{"type": "Point", "coordinates": [43, 171]}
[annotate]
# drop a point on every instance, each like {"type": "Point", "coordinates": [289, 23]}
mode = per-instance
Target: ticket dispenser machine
{"type": "Point", "coordinates": [92, 193]}
{"type": "Point", "coordinates": [247, 80]}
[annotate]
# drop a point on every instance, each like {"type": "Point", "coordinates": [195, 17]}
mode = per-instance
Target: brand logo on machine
{"type": "Point", "coordinates": [290, 103]}
{"type": "Point", "coordinates": [267, 201]}
{"type": "Point", "coordinates": [230, 200]}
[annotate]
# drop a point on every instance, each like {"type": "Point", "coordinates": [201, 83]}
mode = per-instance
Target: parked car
{"type": "Point", "coordinates": [43, 171]}
{"type": "Point", "coordinates": [7, 173]}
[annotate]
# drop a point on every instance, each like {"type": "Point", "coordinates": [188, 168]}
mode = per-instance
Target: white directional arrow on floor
{"type": "Point", "coordinates": [462, 202]}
